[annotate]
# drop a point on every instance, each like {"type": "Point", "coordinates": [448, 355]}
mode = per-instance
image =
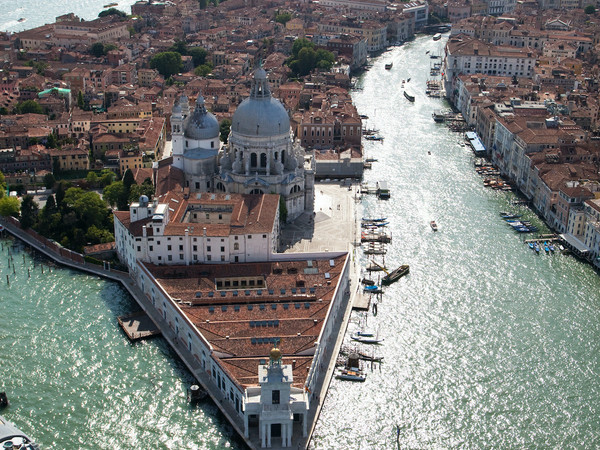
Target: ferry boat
{"type": "Point", "coordinates": [12, 438]}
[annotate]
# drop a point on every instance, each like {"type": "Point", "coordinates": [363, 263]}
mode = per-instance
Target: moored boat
{"type": "Point", "coordinates": [351, 375]}
{"type": "Point", "coordinates": [395, 275]}
{"type": "Point", "coordinates": [366, 339]}
{"type": "Point", "coordinates": [11, 437]}
{"type": "Point", "coordinates": [410, 98]}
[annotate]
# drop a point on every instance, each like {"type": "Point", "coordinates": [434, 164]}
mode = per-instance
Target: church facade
{"type": "Point", "coordinates": [261, 156]}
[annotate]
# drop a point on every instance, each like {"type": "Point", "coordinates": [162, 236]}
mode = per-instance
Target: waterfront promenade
{"type": "Point", "coordinates": [332, 231]}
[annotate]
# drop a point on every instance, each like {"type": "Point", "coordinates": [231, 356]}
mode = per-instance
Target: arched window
{"type": "Point", "coordinates": [263, 160]}
{"type": "Point", "coordinates": [220, 187]}
{"type": "Point", "coordinates": [256, 191]}
{"type": "Point", "coordinates": [253, 160]}
{"type": "Point", "coordinates": [282, 156]}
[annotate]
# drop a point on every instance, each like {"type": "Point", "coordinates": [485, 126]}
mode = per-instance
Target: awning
{"type": "Point", "coordinates": [575, 243]}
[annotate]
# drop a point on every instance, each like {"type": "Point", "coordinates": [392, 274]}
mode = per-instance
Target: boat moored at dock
{"type": "Point", "coordinates": [13, 438]}
{"type": "Point", "coordinates": [395, 275]}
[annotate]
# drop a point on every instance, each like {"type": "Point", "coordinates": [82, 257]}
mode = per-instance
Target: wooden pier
{"type": "Point", "coordinates": [138, 326]}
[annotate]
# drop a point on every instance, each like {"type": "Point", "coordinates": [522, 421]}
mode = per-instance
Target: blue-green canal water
{"type": "Point", "coordinates": [486, 344]}
{"type": "Point", "coordinates": [73, 378]}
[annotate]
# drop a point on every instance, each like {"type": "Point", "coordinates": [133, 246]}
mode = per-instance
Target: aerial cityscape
{"type": "Point", "coordinates": [329, 224]}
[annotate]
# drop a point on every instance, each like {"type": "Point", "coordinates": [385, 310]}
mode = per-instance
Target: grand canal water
{"type": "Point", "coordinates": [73, 378]}
{"type": "Point", "coordinates": [486, 344]}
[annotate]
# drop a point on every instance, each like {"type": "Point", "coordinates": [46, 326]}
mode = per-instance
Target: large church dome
{"type": "Point", "coordinates": [201, 124]}
{"type": "Point", "coordinates": [260, 114]}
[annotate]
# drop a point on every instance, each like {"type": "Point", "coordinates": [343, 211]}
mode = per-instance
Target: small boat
{"type": "Point", "coordinates": [410, 98]}
{"type": "Point", "coordinates": [561, 248]}
{"type": "Point", "coordinates": [437, 36]}
{"type": "Point", "coordinates": [395, 275]}
{"type": "Point", "coordinates": [551, 247]}
{"type": "Point", "coordinates": [388, 66]}
{"type": "Point", "coordinates": [531, 246]}
{"type": "Point", "coordinates": [351, 375]}
{"type": "Point", "coordinates": [429, 152]}
{"type": "Point", "coordinates": [507, 215]}
{"type": "Point", "coordinates": [110, 5]}
{"type": "Point", "coordinates": [546, 248]}
{"type": "Point", "coordinates": [366, 339]}
{"type": "Point", "coordinates": [536, 247]}
{"type": "Point", "coordinates": [372, 289]}
{"type": "Point", "coordinates": [427, 52]}
{"type": "Point", "coordinates": [11, 437]}
{"type": "Point", "coordinates": [378, 219]}
{"type": "Point", "coordinates": [367, 282]}
{"type": "Point", "coordinates": [22, 19]}
{"type": "Point", "coordinates": [408, 80]}
{"type": "Point", "coordinates": [433, 225]}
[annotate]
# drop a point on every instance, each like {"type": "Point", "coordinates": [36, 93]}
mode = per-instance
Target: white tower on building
{"type": "Point", "coordinates": [279, 405]}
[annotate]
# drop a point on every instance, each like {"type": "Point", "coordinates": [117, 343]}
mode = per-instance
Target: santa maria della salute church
{"type": "Point", "coordinates": [260, 157]}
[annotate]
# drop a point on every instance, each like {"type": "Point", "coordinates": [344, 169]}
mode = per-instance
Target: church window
{"type": "Point", "coordinates": [236, 246]}
{"type": "Point", "coordinates": [263, 160]}
{"type": "Point", "coordinates": [275, 397]}
{"type": "Point", "coordinates": [187, 143]}
{"type": "Point", "coordinates": [197, 185]}
{"type": "Point", "coordinates": [253, 160]}
{"type": "Point", "coordinates": [195, 248]}
{"type": "Point", "coordinates": [212, 144]}
{"type": "Point", "coordinates": [222, 249]}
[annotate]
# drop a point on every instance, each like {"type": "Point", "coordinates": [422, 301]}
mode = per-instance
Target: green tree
{"type": "Point", "coordinates": [590, 9]}
{"type": "Point", "coordinates": [89, 208]}
{"type": "Point", "coordinates": [51, 141]}
{"type": "Point", "coordinates": [283, 18]}
{"type": "Point", "coordinates": [80, 101]}
{"type": "Point", "coordinates": [49, 181]}
{"type": "Point", "coordinates": [198, 55]}
{"type": "Point", "coordinates": [180, 47]}
{"type": "Point", "coordinates": [29, 106]}
{"type": "Point", "coordinates": [128, 179]}
{"type": "Point", "coordinates": [112, 12]}
{"type": "Point", "coordinates": [203, 70]}
{"type": "Point", "coordinates": [9, 206]}
{"type": "Point", "coordinates": [203, 4]}
{"type": "Point", "coordinates": [95, 235]}
{"type": "Point", "coordinates": [224, 127]}
{"type": "Point", "coordinates": [137, 190]}
{"type": "Point", "coordinates": [29, 212]}
{"type": "Point", "coordinates": [60, 193]}
{"type": "Point", "coordinates": [117, 195]}
{"type": "Point", "coordinates": [92, 178]}
{"type": "Point", "coordinates": [167, 63]}
{"type": "Point", "coordinates": [97, 49]}
{"type": "Point", "coordinates": [3, 111]}
{"type": "Point", "coordinates": [107, 176]}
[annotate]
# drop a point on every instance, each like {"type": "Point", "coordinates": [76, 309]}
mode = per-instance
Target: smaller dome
{"type": "Point", "coordinates": [275, 354]}
{"type": "Point", "coordinates": [201, 125]}
{"type": "Point", "coordinates": [143, 200]}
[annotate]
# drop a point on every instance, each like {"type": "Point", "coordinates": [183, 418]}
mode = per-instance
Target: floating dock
{"type": "Point", "coordinates": [138, 326]}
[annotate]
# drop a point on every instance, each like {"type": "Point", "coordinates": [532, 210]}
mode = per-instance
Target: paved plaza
{"type": "Point", "coordinates": [334, 225]}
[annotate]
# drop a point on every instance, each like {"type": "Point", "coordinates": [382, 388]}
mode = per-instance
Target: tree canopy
{"type": "Point", "coordinates": [304, 58]}
{"type": "Point", "coordinates": [590, 9]}
{"type": "Point", "coordinates": [29, 106]}
{"type": "Point", "coordinates": [112, 12]}
{"type": "Point", "coordinates": [224, 127]}
{"type": "Point", "coordinates": [283, 18]}
{"type": "Point", "coordinates": [29, 211]}
{"type": "Point", "coordinates": [9, 206]}
{"type": "Point", "coordinates": [167, 63]}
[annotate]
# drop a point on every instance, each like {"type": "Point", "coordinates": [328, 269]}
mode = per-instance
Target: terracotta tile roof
{"type": "Point", "coordinates": [244, 323]}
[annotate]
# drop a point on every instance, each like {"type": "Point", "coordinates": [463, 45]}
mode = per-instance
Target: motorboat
{"type": "Point", "coordinates": [395, 275]}
{"type": "Point", "coordinates": [351, 375]}
{"type": "Point", "coordinates": [367, 282]}
{"type": "Point", "coordinates": [433, 225]}
{"type": "Point", "coordinates": [410, 98]}
{"type": "Point", "coordinates": [366, 339]}
{"type": "Point", "coordinates": [12, 438]}
{"type": "Point", "coordinates": [388, 66]}
{"type": "Point", "coordinates": [374, 289]}
{"type": "Point", "coordinates": [437, 36]}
